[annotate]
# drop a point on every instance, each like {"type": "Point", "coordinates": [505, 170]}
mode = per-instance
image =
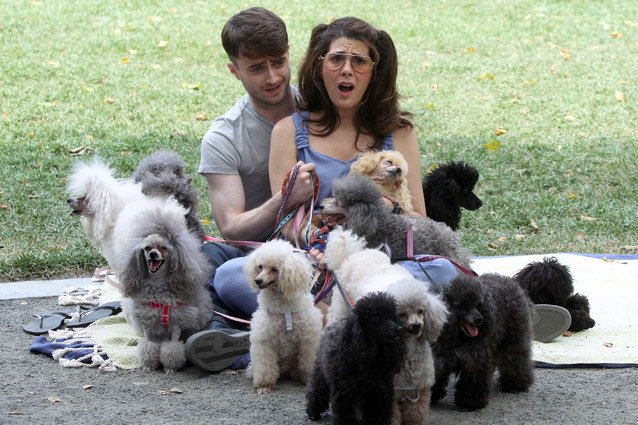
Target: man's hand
{"type": "Point", "coordinates": [303, 188]}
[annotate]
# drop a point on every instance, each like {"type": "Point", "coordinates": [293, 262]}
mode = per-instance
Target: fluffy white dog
{"type": "Point", "coordinates": [358, 269]}
{"type": "Point", "coordinates": [286, 327]}
{"type": "Point", "coordinates": [99, 199]}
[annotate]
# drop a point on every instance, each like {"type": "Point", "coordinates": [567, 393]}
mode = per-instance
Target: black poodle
{"type": "Point", "coordinates": [550, 282]}
{"type": "Point", "coordinates": [162, 174]}
{"type": "Point", "coordinates": [489, 327]}
{"type": "Point", "coordinates": [449, 188]}
{"type": "Point", "coordinates": [357, 359]}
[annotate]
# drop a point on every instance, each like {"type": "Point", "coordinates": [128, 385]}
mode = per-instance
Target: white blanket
{"type": "Point", "coordinates": [612, 288]}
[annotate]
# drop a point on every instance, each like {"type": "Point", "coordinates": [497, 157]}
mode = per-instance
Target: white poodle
{"type": "Point", "coordinates": [101, 198]}
{"type": "Point", "coordinates": [286, 327]}
{"type": "Point", "coordinates": [358, 269]}
{"type": "Point", "coordinates": [422, 316]}
{"type": "Point", "coordinates": [162, 272]}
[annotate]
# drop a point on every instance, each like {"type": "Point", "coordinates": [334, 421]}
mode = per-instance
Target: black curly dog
{"type": "Point", "coordinates": [357, 359]}
{"type": "Point", "coordinates": [449, 188]}
{"type": "Point", "coordinates": [489, 328]}
{"type": "Point", "coordinates": [550, 282]}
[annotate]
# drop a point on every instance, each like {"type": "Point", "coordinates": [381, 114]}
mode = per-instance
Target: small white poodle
{"type": "Point", "coordinates": [358, 269]}
{"type": "Point", "coordinates": [101, 198]}
{"type": "Point", "coordinates": [422, 316]}
{"type": "Point", "coordinates": [286, 327]}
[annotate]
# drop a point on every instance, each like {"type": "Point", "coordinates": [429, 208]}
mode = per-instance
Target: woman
{"type": "Point", "coordinates": [349, 104]}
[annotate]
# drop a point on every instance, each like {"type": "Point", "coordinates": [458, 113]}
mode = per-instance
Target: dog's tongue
{"type": "Point", "coordinates": [155, 265]}
{"type": "Point", "coordinates": [471, 329]}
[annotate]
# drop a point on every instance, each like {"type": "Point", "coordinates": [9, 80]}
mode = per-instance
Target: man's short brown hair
{"type": "Point", "coordinates": [253, 33]}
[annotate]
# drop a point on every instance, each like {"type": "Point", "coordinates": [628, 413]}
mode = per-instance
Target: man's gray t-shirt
{"type": "Point", "coordinates": [238, 143]}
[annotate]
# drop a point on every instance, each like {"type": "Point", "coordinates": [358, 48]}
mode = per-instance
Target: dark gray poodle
{"type": "Point", "coordinates": [357, 359]}
{"type": "Point", "coordinates": [449, 188]}
{"type": "Point", "coordinates": [360, 201]}
{"type": "Point", "coordinates": [489, 328]}
{"type": "Point", "coordinates": [162, 174]}
{"type": "Point", "coordinates": [162, 273]}
{"type": "Point", "coordinates": [550, 282]}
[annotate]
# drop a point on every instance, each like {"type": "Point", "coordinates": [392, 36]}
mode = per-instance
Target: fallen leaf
{"type": "Point", "coordinates": [581, 235]}
{"type": "Point", "coordinates": [87, 387]}
{"type": "Point", "coordinates": [567, 334]}
{"type": "Point", "coordinates": [492, 246]}
{"type": "Point", "coordinates": [125, 60]}
{"type": "Point", "coordinates": [201, 117]}
{"type": "Point", "coordinates": [108, 100]}
{"type": "Point", "coordinates": [14, 413]}
{"type": "Point", "coordinates": [193, 86]}
{"type": "Point", "coordinates": [502, 239]}
{"type": "Point", "coordinates": [533, 224]}
{"type": "Point", "coordinates": [629, 247]}
{"type": "Point", "coordinates": [82, 150]}
{"type": "Point", "coordinates": [176, 390]}
{"type": "Point", "coordinates": [529, 83]}
{"type": "Point", "coordinates": [54, 399]}
{"type": "Point", "coordinates": [520, 237]}
{"type": "Point", "coordinates": [570, 117]}
{"type": "Point", "coordinates": [205, 221]}
{"type": "Point", "coordinates": [585, 218]}
{"type": "Point", "coordinates": [162, 392]}
{"type": "Point", "coordinates": [566, 54]}
{"type": "Point", "coordinates": [53, 64]}
{"type": "Point", "coordinates": [4, 206]}
{"type": "Point", "coordinates": [470, 50]}
{"type": "Point", "coordinates": [572, 196]}
{"type": "Point", "coordinates": [155, 18]}
{"type": "Point", "coordinates": [617, 35]}
{"type": "Point", "coordinates": [494, 145]}
{"type": "Point", "coordinates": [487, 76]}
{"type": "Point", "coordinates": [33, 196]}
{"type": "Point", "coordinates": [608, 344]}
{"type": "Point", "coordinates": [162, 43]}
{"type": "Point", "coordinates": [620, 96]}
{"type": "Point", "coordinates": [499, 131]}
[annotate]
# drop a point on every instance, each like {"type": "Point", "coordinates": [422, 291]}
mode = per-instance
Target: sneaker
{"type": "Point", "coordinates": [549, 321]}
{"type": "Point", "coordinates": [214, 351]}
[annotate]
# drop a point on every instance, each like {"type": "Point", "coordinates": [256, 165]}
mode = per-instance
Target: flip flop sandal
{"type": "Point", "coordinates": [50, 321]}
{"type": "Point", "coordinates": [100, 312]}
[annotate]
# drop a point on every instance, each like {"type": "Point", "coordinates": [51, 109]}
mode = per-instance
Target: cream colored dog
{"type": "Point", "coordinates": [286, 327]}
{"type": "Point", "coordinates": [388, 169]}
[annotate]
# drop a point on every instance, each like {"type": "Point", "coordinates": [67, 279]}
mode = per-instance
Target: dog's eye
{"type": "Point", "coordinates": [260, 267]}
{"type": "Point", "coordinates": [389, 162]}
{"type": "Point", "coordinates": [420, 312]}
{"type": "Point", "coordinates": [274, 270]}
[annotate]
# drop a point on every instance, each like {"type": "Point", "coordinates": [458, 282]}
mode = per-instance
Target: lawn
{"type": "Point", "coordinates": [540, 96]}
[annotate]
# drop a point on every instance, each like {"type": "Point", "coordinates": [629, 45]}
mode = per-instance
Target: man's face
{"type": "Point", "coordinates": [266, 79]}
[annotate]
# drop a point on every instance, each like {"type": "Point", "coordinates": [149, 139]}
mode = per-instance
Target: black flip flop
{"type": "Point", "coordinates": [50, 321]}
{"type": "Point", "coordinates": [100, 312]}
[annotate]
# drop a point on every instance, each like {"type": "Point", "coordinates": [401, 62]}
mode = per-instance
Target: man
{"type": "Point", "coordinates": [234, 160]}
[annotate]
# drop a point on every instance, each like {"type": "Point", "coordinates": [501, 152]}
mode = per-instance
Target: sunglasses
{"type": "Point", "coordinates": [359, 63]}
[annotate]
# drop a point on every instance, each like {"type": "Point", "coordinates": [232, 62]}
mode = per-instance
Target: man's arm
{"type": "Point", "coordinates": [227, 199]}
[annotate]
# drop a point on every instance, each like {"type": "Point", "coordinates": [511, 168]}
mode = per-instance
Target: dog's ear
{"type": "Point", "coordinates": [250, 269]}
{"type": "Point", "coordinates": [134, 270]}
{"type": "Point", "coordinates": [435, 317]}
{"type": "Point", "coordinates": [366, 162]}
{"type": "Point", "coordinates": [364, 221]}
{"type": "Point", "coordinates": [295, 272]}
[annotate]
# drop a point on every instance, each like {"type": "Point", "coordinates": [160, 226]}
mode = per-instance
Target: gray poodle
{"type": "Point", "coordinates": [162, 174]}
{"type": "Point", "coordinates": [489, 328]}
{"type": "Point", "coordinates": [162, 273]}
{"type": "Point", "coordinates": [360, 202]}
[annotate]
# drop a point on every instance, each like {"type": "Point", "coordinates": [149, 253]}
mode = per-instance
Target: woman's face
{"type": "Point", "coordinates": [346, 77]}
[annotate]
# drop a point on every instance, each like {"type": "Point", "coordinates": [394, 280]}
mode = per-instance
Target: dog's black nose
{"type": "Point", "coordinates": [259, 282]}
{"type": "Point", "coordinates": [415, 327]}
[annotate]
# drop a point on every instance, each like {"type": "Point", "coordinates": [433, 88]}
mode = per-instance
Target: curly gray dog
{"type": "Point", "coordinates": [360, 202]}
{"type": "Point", "coordinates": [162, 174]}
{"type": "Point", "coordinates": [162, 273]}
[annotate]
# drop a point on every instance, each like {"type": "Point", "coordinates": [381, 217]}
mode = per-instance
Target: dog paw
{"type": "Point", "coordinates": [264, 390]}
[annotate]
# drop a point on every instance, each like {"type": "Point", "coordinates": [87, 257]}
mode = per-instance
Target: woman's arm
{"type": "Point", "coordinates": [405, 142]}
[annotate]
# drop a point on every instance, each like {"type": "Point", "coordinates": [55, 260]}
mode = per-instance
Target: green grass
{"type": "Point", "coordinates": [562, 177]}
